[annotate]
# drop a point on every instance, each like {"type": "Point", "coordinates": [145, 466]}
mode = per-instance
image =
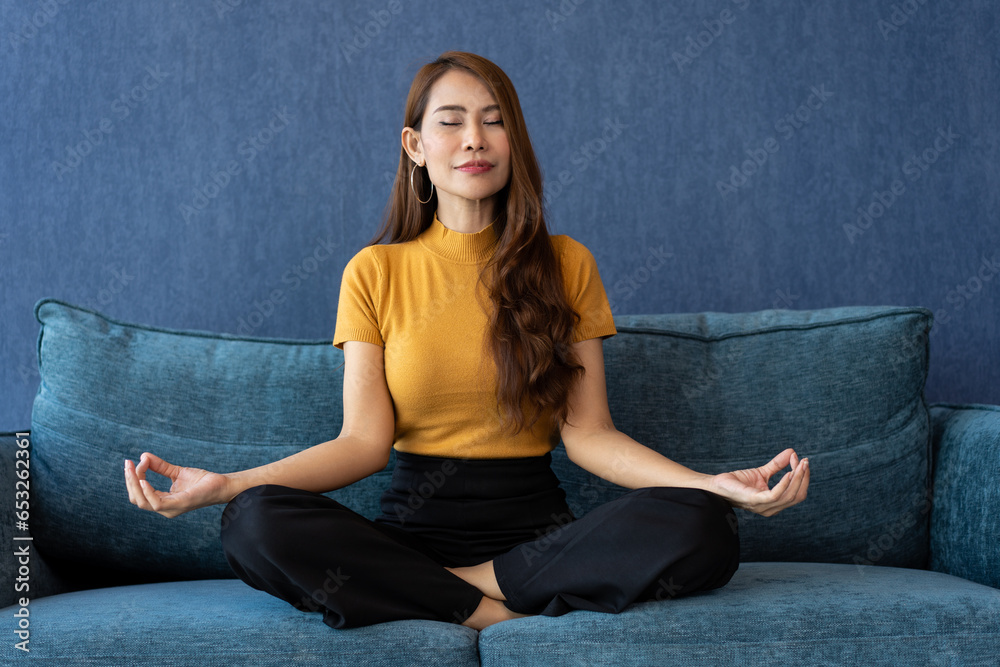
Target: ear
{"type": "Point", "coordinates": [412, 145]}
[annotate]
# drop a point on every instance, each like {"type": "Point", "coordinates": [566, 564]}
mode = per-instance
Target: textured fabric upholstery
{"type": "Point", "coordinates": [807, 613]}
{"type": "Point", "coordinates": [112, 390]}
{"type": "Point", "coordinates": [717, 392]}
{"type": "Point", "coordinates": [712, 390]}
{"type": "Point", "coordinates": [965, 530]}
{"type": "Point", "coordinates": [223, 623]}
{"type": "Point", "coordinates": [843, 386]}
{"type": "Point", "coordinates": [775, 613]}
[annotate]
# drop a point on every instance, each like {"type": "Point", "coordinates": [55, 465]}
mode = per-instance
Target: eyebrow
{"type": "Point", "coordinates": [458, 107]}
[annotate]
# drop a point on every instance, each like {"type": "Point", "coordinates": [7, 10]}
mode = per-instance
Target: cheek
{"type": "Point", "coordinates": [437, 157]}
{"type": "Point", "coordinates": [434, 145]}
{"type": "Point", "coordinates": [502, 148]}
{"type": "Point", "coordinates": [505, 151]}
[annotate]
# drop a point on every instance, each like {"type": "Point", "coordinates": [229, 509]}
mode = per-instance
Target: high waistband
{"type": "Point", "coordinates": [472, 479]}
{"type": "Point", "coordinates": [470, 510]}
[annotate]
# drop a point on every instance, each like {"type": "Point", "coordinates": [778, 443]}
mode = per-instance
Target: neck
{"type": "Point", "coordinates": [466, 216]}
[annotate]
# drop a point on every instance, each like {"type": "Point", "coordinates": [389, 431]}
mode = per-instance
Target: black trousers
{"type": "Point", "coordinates": [309, 550]}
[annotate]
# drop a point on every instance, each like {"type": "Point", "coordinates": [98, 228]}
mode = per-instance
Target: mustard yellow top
{"type": "Point", "coordinates": [422, 301]}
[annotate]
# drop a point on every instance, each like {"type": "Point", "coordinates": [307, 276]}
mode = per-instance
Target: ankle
{"type": "Point", "coordinates": [489, 612]}
{"type": "Point", "coordinates": [482, 577]}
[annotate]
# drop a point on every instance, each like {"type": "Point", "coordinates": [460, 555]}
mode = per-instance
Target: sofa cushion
{"type": "Point", "coordinates": [713, 391]}
{"type": "Point", "coordinates": [221, 622]}
{"type": "Point", "coordinates": [843, 386]}
{"type": "Point", "coordinates": [774, 613]}
{"type": "Point", "coordinates": [111, 390]}
{"type": "Point", "coordinates": [964, 527]}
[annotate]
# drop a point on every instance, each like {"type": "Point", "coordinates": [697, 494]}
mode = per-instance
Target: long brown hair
{"type": "Point", "coordinates": [531, 323]}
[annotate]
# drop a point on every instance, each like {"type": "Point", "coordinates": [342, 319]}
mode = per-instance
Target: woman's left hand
{"type": "Point", "coordinates": [748, 489]}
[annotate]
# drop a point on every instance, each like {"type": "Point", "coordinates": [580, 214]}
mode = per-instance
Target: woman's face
{"type": "Point", "coordinates": [462, 140]}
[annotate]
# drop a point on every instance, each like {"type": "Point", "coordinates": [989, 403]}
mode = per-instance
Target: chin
{"type": "Point", "coordinates": [476, 194]}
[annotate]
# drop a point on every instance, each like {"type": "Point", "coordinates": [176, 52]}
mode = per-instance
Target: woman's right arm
{"type": "Point", "coordinates": [361, 449]}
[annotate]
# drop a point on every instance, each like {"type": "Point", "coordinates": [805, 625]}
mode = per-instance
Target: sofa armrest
{"type": "Point", "coordinates": [40, 581]}
{"type": "Point", "coordinates": [964, 527]}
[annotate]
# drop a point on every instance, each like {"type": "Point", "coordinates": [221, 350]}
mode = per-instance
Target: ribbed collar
{"type": "Point", "coordinates": [459, 247]}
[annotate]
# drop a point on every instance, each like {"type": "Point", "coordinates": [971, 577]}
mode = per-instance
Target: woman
{"type": "Point", "coordinates": [472, 344]}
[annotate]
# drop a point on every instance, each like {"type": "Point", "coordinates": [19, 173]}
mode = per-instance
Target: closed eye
{"type": "Point", "coordinates": [490, 122]}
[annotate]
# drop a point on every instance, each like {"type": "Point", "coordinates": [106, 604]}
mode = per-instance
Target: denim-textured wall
{"type": "Point", "coordinates": [213, 165]}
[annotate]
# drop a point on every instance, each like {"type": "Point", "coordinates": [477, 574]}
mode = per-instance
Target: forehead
{"type": "Point", "coordinates": [459, 87]}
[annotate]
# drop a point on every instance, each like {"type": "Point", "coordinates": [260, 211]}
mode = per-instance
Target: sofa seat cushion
{"type": "Point", "coordinates": [774, 613]}
{"type": "Point", "coordinates": [221, 622]}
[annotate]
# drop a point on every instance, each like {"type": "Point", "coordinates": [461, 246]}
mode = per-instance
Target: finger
{"type": "Point", "coordinates": [788, 497]}
{"type": "Point", "coordinates": [146, 489]}
{"type": "Point", "coordinates": [793, 494]}
{"type": "Point", "coordinates": [142, 467]}
{"type": "Point", "coordinates": [804, 487]}
{"type": "Point", "coordinates": [790, 490]}
{"type": "Point", "coordinates": [153, 497]}
{"type": "Point", "coordinates": [161, 502]}
{"type": "Point", "coordinates": [128, 483]}
{"type": "Point", "coordinates": [786, 481]}
{"type": "Point", "coordinates": [771, 499]}
{"type": "Point", "coordinates": [778, 463]}
{"type": "Point", "coordinates": [132, 481]}
{"type": "Point", "coordinates": [159, 466]}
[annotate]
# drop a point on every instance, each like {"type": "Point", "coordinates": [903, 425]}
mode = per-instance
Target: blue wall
{"type": "Point", "coordinates": [213, 166]}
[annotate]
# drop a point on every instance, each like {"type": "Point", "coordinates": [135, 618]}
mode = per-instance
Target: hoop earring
{"type": "Point", "coordinates": [415, 192]}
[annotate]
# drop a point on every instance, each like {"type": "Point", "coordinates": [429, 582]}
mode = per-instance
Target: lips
{"type": "Point", "coordinates": [475, 167]}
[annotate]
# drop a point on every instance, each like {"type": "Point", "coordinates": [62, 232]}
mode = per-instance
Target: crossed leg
{"type": "Point", "coordinates": [492, 608]}
{"type": "Point", "coordinates": [650, 544]}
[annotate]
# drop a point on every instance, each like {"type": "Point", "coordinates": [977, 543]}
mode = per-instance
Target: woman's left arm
{"type": "Point", "coordinates": [593, 443]}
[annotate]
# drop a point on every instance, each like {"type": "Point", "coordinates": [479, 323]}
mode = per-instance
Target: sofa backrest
{"type": "Point", "coordinates": [843, 386]}
{"type": "Point", "coordinates": [112, 390]}
{"type": "Point", "coordinates": [713, 391]}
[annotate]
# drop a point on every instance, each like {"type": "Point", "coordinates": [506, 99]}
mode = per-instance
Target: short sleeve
{"type": "Point", "coordinates": [358, 306]}
{"type": "Point", "coordinates": [584, 290]}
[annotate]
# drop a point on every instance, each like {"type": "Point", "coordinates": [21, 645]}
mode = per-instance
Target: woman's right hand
{"type": "Point", "coordinates": [190, 488]}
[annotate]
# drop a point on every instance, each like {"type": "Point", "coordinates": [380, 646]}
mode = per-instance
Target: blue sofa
{"type": "Point", "coordinates": [893, 558]}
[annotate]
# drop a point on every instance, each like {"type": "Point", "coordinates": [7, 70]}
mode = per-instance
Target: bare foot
{"type": "Point", "coordinates": [490, 611]}
{"type": "Point", "coordinates": [482, 577]}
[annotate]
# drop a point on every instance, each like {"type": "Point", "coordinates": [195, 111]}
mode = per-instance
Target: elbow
{"type": "Point", "coordinates": [371, 448]}
{"type": "Point", "coordinates": [578, 439]}
{"type": "Point", "coordinates": [375, 452]}
{"type": "Point", "coordinates": [381, 450]}
{"type": "Point", "coordinates": [382, 459]}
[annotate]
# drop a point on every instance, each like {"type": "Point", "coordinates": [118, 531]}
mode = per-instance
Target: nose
{"type": "Point", "coordinates": [474, 139]}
